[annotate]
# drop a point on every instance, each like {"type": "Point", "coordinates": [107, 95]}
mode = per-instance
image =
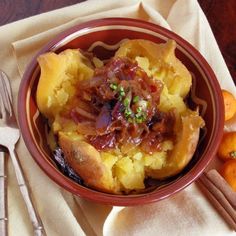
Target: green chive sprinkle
{"type": "Point", "coordinates": [127, 112]}
{"type": "Point", "coordinates": [122, 94]}
{"type": "Point", "coordinates": [122, 91]}
{"type": "Point", "coordinates": [113, 86]}
{"type": "Point", "coordinates": [139, 109]}
{"type": "Point", "coordinates": [135, 99]}
{"type": "Point", "coordinates": [140, 117]}
{"type": "Point", "coordinates": [126, 102]}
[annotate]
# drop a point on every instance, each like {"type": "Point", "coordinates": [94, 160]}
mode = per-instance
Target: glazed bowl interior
{"type": "Point", "coordinates": [103, 37]}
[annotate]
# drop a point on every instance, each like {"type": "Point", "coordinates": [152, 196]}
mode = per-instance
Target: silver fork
{"type": "Point", "coordinates": [9, 136]}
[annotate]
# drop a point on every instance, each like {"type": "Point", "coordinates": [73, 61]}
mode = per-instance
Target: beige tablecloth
{"type": "Point", "coordinates": [185, 213]}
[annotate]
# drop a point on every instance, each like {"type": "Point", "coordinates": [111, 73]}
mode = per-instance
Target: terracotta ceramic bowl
{"type": "Point", "coordinates": [93, 36]}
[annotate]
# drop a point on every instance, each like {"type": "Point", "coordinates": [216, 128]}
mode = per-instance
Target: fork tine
{"type": "Point", "coordinates": [2, 109]}
{"type": "Point", "coordinates": [5, 78]}
{"type": "Point", "coordinates": [5, 92]}
{"type": "Point", "coordinates": [4, 101]}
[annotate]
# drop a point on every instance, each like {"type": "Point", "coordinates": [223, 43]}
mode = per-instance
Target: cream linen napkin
{"type": "Point", "coordinates": [185, 213]}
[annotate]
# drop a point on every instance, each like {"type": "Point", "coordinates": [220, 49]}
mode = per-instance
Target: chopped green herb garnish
{"type": "Point", "coordinates": [140, 116]}
{"type": "Point", "coordinates": [126, 102]}
{"type": "Point", "coordinates": [121, 91]}
{"type": "Point", "coordinates": [135, 99]}
{"type": "Point", "coordinates": [127, 112]}
{"type": "Point", "coordinates": [113, 86]}
{"type": "Point", "coordinates": [139, 109]}
{"type": "Point", "coordinates": [139, 120]}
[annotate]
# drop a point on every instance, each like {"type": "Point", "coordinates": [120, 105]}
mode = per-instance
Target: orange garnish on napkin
{"type": "Point", "coordinates": [227, 148]}
{"type": "Point", "coordinates": [228, 171]}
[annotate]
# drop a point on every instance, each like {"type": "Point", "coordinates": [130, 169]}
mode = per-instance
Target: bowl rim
{"type": "Point", "coordinates": [111, 199]}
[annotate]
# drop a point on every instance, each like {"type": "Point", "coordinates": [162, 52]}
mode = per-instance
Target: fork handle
{"type": "Point", "coordinates": [3, 195]}
{"type": "Point", "coordinates": [34, 216]}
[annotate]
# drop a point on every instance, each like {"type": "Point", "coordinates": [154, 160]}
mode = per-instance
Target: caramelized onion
{"type": "Point", "coordinates": [104, 141]}
{"type": "Point", "coordinates": [86, 128]}
{"type": "Point", "coordinates": [120, 105]}
{"type": "Point", "coordinates": [103, 120]}
{"type": "Point", "coordinates": [85, 114]}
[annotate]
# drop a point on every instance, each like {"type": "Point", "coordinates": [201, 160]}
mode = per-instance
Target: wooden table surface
{"type": "Point", "coordinates": [220, 14]}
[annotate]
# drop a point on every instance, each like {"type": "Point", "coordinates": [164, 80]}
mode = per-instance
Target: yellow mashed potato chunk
{"type": "Point", "coordinates": [159, 61]}
{"type": "Point", "coordinates": [59, 75]}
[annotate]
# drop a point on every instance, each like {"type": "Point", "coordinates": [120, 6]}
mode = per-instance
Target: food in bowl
{"type": "Point", "coordinates": [121, 121]}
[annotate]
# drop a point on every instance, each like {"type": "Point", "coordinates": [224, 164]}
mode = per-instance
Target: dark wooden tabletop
{"type": "Point", "coordinates": [220, 14]}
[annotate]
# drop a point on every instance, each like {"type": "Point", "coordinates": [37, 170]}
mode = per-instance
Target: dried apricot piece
{"type": "Point", "coordinates": [229, 104]}
{"type": "Point", "coordinates": [227, 148]}
{"type": "Point", "coordinates": [228, 171]}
